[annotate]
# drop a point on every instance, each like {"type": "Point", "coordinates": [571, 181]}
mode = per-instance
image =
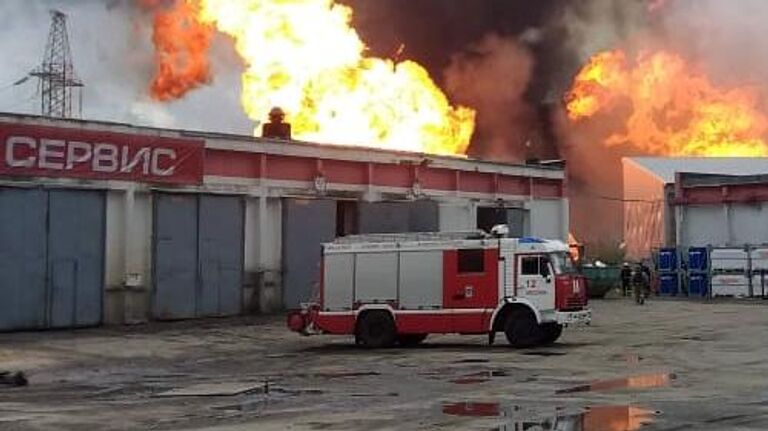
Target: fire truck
{"type": "Point", "coordinates": [392, 289]}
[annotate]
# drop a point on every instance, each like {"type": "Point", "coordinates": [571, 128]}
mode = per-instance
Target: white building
{"type": "Point", "coordinates": [657, 212]}
{"type": "Point", "coordinates": [110, 223]}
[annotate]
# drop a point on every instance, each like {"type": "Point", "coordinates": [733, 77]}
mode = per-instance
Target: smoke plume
{"type": "Point", "coordinates": [492, 76]}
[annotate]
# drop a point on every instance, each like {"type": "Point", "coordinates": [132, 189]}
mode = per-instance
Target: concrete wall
{"type": "Point", "coordinates": [128, 256]}
{"type": "Point", "coordinates": [457, 216]}
{"type": "Point", "coordinates": [722, 224]}
{"type": "Point", "coordinates": [549, 219]}
{"type": "Point", "coordinates": [269, 257]}
{"type": "Point", "coordinates": [748, 224]}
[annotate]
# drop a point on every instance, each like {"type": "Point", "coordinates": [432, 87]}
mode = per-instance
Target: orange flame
{"type": "Point", "coordinates": [668, 107]}
{"type": "Point", "coordinates": [304, 56]}
{"type": "Point", "coordinates": [181, 44]}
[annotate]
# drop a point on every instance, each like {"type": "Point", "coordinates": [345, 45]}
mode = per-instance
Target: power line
{"type": "Point", "coordinates": [618, 199]}
{"type": "Point", "coordinates": [57, 75]}
{"type": "Point", "coordinates": [23, 101]}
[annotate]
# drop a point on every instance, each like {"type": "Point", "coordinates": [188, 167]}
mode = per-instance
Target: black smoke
{"type": "Point", "coordinates": [440, 33]}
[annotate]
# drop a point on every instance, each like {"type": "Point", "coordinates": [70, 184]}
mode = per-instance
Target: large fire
{"type": "Point", "coordinates": [304, 56]}
{"type": "Point", "coordinates": [181, 44]}
{"type": "Point", "coordinates": [665, 106]}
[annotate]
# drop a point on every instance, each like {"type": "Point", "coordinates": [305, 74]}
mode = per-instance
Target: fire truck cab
{"type": "Point", "coordinates": [398, 288]}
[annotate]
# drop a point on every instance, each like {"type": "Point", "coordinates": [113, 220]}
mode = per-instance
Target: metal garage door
{"type": "Point", "coordinates": [198, 257]}
{"type": "Point", "coordinates": [75, 257]}
{"type": "Point", "coordinates": [51, 258]}
{"type": "Point", "coordinates": [22, 258]}
{"type": "Point", "coordinates": [397, 217]}
{"type": "Point", "coordinates": [221, 255]}
{"type": "Point", "coordinates": [175, 256]}
{"type": "Point", "coordinates": [306, 225]}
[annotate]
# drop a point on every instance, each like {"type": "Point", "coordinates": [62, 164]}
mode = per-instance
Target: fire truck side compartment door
{"type": "Point", "coordinates": [421, 279]}
{"type": "Point", "coordinates": [338, 279]}
{"type": "Point", "coordinates": [376, 277]}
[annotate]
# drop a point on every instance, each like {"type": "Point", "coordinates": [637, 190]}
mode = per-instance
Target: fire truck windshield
{"type": "Point", "coordinates": [562, 263]}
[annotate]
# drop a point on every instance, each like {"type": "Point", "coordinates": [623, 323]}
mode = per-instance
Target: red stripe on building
{"type": "Point", "coordinates": [438, 179]}
{"type": "Point", "coordinates": [734, 193]}
{"type": "Point", "coordinates": [547, 188]}
{"type": "Point", "coordinates": [282, 167]}
{"type": "Point", "coordinates": [477, 182]}
{"type": "Point", "coordinates": [221, 163]}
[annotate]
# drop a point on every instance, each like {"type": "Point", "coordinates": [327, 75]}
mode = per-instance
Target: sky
{"type": "Point", "coordinates": [112, 52]}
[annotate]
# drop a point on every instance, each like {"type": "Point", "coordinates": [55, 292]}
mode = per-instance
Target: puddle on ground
{"type": "Point", "coordinates": [598, 418]}
{"type": "Point", "coordinates": [634, 382]}
{"type": "Point", "coordinates": [274, 394]}
{"type": "Point", "coordinates": [469, 380]}
{"type": "Point", "coordinates": [472, 409]}
{"type": "Point", "coordinates": [632, 358]}
{"type": "Point", "coordinates": [341, 375]}
{"type": "Point", "coordinates": [479, 377]}
{"type": "Point", "coordinates": [543, 353]}
{"type": "Point", "coordinates": [472, 361]}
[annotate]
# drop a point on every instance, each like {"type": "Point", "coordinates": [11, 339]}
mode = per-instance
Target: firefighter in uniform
{"type": "Point", "coordinates": [640, 284]}
{"type": "Point", "coordinates": [626, 279]}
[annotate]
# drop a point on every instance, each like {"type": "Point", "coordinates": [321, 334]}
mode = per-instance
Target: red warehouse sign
{"type": "Point", "coordinates": [63, 152]}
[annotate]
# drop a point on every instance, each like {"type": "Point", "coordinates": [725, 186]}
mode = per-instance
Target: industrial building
{"type": "Point", "coordinates": [684, 202]}
{"type": "Point", "coordinates": [111, 223]}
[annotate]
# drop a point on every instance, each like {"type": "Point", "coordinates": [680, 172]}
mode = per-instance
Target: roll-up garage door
{"type": "Point", "coordinates": [198, 257]}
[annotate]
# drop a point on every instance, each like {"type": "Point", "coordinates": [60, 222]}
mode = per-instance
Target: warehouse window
{"type": "Point", "coordinates": [471, 260]}
{"type": "Point", "coordinates": [346, 218]}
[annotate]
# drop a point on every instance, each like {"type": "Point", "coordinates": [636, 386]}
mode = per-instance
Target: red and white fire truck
{"type": "Point", "coordinates": [397, 288]}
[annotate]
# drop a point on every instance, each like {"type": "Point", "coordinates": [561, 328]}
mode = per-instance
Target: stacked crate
{"type": "Point", "coordinates": [669, 272]}
{"type": "Point", "coordinates": [758, 257]}
{"type": "Point", "coordinates": [730, 272]}
{"type": "Point", "coordinates": [698, 272]}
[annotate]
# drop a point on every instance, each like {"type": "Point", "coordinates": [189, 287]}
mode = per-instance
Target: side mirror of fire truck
{"type": "Point", "coordinates": [500, 231]}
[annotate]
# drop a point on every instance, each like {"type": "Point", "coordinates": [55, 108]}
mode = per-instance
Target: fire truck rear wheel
{"type": "Point", "coordinates": [522, 330]}
{"type": "Point", "coordinates": [410, 340]}
{"type": "Point", "coordinates": [550, 333]}
{"type": "Point", "coordinates": [376, 329]}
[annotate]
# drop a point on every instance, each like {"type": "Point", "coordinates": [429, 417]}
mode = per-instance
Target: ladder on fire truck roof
{"type": "Point", "coordinates": [412, 237]}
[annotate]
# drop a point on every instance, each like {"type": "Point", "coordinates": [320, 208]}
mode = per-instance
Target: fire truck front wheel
{"type": "Point", "coordinates": [550, 333]}
{"type": "Point", "coordinates": [522, 330]}
{"type": "Point", "coordinates": [376, 329]}
{"type": "Point", "coordinates": [410, 340]}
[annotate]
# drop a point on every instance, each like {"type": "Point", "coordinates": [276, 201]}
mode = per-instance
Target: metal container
{"type": "Point", "coordinates": [760, 284]}
{"type": "Point", "coordinates": [600, 280]}
{"type": "Point", "coordinates": [759, 257]}
{"type": "Point", "coordinates": [698, 285]}
{"type": "Point", "coordinates": [669, 284]}
{"type": "Point", "coordinates": [698, 259]}
{"type": "Point", "coordinates": [733, 284]}
{"type": "Point", "coordinates": [668, 259]}
{"type": "Point", "coordinates": [729, 259]}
